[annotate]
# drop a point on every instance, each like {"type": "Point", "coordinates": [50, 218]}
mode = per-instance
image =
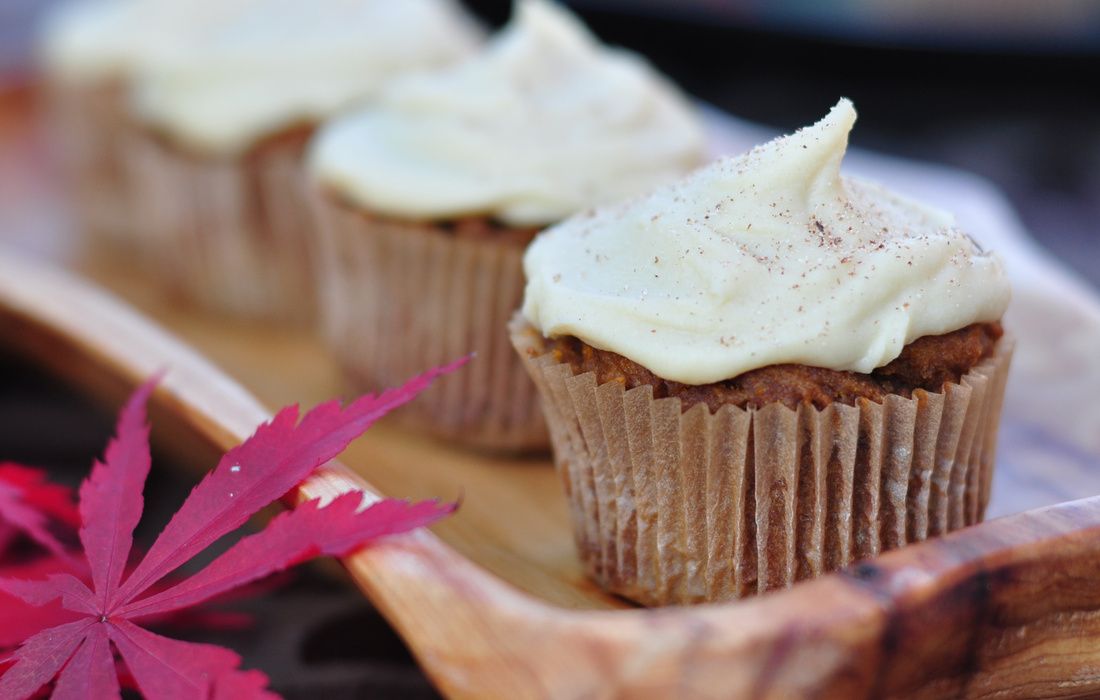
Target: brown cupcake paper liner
{"type": "Point", "coordinates": [399, 297]}
{"type": "Point", "coordinates": [682, 507]}
{"type": "Point", "coordinates": [229, 234]}
{"type": "Point", "coordinates": [87, 123]}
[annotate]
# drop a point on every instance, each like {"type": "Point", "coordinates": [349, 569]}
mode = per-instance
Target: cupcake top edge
{"type": "Point", "coordinates": [766, 258]}
{"type": "Point", "coordinates": [545, 121]}
{"type": "Point", "coordinates": [217, 77]}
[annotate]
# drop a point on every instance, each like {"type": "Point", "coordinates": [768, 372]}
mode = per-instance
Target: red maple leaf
{"type": "Point", "coordinates": [278, 456]}
{"type": "Point", "coordinates": [29, 505]}
{"type": "Point", "coordinates": [39, 508]}
{"type": "Point", "coordinates": [35, 508]}
{"type": "Point", "coordinates": [22, 620]}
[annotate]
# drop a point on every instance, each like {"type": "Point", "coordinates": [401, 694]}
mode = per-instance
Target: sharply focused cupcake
{"type": "Point", "coordinates": [427, 198]}
{"type": "Point", "coordinates": [89, 52]}
{"type": "Point", "coordinates": [222, 120]}
{"type": "Point", "coordinates": [764, 372]}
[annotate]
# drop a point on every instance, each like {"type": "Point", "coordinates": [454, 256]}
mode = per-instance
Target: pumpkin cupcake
{"type": "Point", "coordinates": [764, 372]}
{"type": "Point", "coordinates": [88, 52]}
{"type": "Point", "coordinates": [220, 123]}
{"type": "Point", "coordinates": [427, 197]}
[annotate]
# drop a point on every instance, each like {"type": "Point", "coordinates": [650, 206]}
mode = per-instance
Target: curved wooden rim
{"type": "Point", "coordinates": [951, 616]}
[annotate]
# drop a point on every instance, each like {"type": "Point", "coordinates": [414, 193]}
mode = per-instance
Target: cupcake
{"type": "Point", "coordinates": [89, 51]}
{"type": "Point", "coordinates": [426, 199]}
{"type": "Point", "coordinates": [764, 372]}
{"type": "Point", "coordinates": [220, 122]}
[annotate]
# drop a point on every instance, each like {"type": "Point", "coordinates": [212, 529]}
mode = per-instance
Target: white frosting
{"type": "Point", "coordinates": [276, 63]}
{"type": "Point", "coordinates": [92, 40]}
{"type": "Point", "coordinates": [766, 258]}
{"type": "Point", "coordinates": [543, 123]}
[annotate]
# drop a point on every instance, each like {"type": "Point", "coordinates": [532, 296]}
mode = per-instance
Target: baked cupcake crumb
{"type": "Point", "coordinates": [927, 364]}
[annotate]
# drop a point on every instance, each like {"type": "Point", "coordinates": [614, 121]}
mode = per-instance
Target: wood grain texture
{"type": "Point", "coordinates": [1005, 609]}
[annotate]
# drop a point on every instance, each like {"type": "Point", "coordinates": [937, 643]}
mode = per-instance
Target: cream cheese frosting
{"type": "Point", "coordinates": [545, 122]}
{"type": "Point", "coordinates": [766, 258]}
{"type": "Point", "coordinates": [277, 63]}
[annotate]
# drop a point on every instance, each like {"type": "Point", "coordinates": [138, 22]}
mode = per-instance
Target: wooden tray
{"type": "Point", "coordinates": [494, 604]}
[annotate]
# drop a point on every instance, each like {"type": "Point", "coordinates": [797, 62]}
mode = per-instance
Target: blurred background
{"type": "Point", "coordinates": [1007, 89]}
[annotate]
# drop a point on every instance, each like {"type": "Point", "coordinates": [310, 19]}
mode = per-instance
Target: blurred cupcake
{"type": "Point", "coordinates": [89, 51]}
{"type": "Point", "coordinates": [221, 121]}
{"type": "Point", "coordinates": [764, 372]}
{"type": "Point", "coordinates": [427, 198]}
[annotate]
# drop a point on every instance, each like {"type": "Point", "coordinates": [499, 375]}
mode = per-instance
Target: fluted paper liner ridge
{"type": "Point", "coordinates": [680, 507]}
{"type": "Point", "coordinates": [230, 234]}
{"type": "Point", "coordinates": [397, 298]}
{"type": "Point", "coordinates": [88, 124]}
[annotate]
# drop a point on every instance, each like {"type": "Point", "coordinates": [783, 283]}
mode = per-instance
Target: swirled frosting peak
{"type": "Point", "coordinates": [544, 122]}
{"type": "Point", "coordinates": [766, 258]}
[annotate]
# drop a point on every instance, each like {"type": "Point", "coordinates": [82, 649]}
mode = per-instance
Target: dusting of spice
{"type": "Point", "coordinates": [874, 271]}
